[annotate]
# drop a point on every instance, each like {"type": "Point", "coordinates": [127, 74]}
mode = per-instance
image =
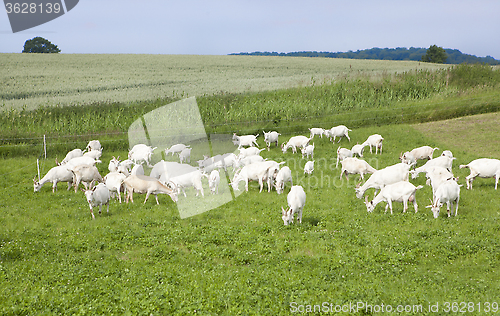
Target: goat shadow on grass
{"type": "Point", "coordinates": [311, 220]}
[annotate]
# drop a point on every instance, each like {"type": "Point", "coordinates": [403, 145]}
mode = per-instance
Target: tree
{"type": "Point", "coordinates": [435, 55]}
{"type": "Point", "coordinates": [40, 45]}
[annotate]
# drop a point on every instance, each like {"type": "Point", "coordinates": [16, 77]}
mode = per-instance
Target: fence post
{"type": "Point", "coordinates": [44, 149]}
{"type": "Point", "coordinates": [38, 168]}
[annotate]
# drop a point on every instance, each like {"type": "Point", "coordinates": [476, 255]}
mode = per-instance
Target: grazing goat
{"type": "Point", "coordinates": [296, 200]}
{"type": "Point", "coordinates": [214, 181]}
{"type": "Point", "coordinates": [98, 196]}
{"type": "Point", "coordinates": [250, 151]}
{"type": "Point", "coordinates": [284, 175]}
{"type": "Point", "coordinates": [316, 131]}
{"type": "Point", "coordinates": [178, 148]}
{"type": "Point", "coordinates": [257, 171]}
{"type": "Point", "coordinates": [72, 154]}
{"type": "Point", "coordinates": [402, 191]}
{"type": "Point", "coordinates": [309, 167]}
{"type": "Point", "coordinates": [185, 155]}
{"type": "Point", "coordinates": [351, 165]}
{"type": "Point", "coordinates": [441, 161]}
{"type": "Point", "coordinates": [86, 174]}
{"type": "Point", "coordinates": [245, 140]}
{"type": "Point", "coordinates": [358, 150]}
{"type": "Point", "coordinates": [147, 185]}
{"type": "Point", "coordinates": [308, 151]}
{"type": "Point", "coordinates": [271, 137]}
{"type": "Point", "coordinates": [420, 153]}
{"type": "Point", "coordinates": [55, 175]}
{"type": "Point", "coordinates": [448, 192]}
{"type": "Point", "coordinates": [141, 153]}
{"type": "Point", "coordinates": [295, 142]}
{"type": "Point", "coordinates": [338, 131]}
{"type": "Point", "coordinates": [383, 177]}
{"type": "Point", "coordinates": [374, 140]}
{"type": "Point", "coordinates": [483, 168]}
{"type": "Point", "coordinates": [342, 153]}
{"type": "Point", "coordinates": [190, 179]}
{"type": "Point", "coordinates": [114, 182]}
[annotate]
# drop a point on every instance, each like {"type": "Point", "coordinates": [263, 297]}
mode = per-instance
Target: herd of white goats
{"type": "Point", "coordinates": [171, 178]}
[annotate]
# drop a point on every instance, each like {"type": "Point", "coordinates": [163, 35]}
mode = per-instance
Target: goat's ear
{"type": "Point", "coordinates": [283, 212]}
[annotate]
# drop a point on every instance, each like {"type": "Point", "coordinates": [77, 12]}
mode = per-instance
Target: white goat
{"type": "Point", "coordinates": [86, 174]}
{"type": "Point", "coordinates": [342, 153]}
{"type": "Point", "coordinates": [98, 196]}
{"type": "Point", "coordinates": [358, 149]}
{"type": "Point", "coordinates": [114, 182]}
{"type": "Point", "coordinates": [248, 160]}
{"type": "Point", "coordinates": [295, 142]}
{"type": "Point", "coordinates": [447, 153]}
{"type": "Point", "coordinates": [257, 171]}
{"type": "Point", "coordinates": [338, 131]}
{"type": "Point", "coordinates": [284, 175]}
{"type": "Point", "coordinates": [190, 179]}
{"type": "Point", "coordinates": [309, 167]}
{"type": "Point", "coordinates": [141, 153]}
{"type": "Point", "coordinates": [296, 200]}
{"type": "Point", "coordinates": [448, 192]}
{"type": "Point", "coordinates": [437, 176]}
{"type": "Point", "coordinates": [250, 151]}
{"type": "Point", "coordinates": [271, 137]}
{"type": "Point", "coordinates": [113, 164]}
{"type": "Point", "coordinates": [147, 185]}
{"type": "Point", "coordinates": [83, 160]}
{"type": "Point", "coordinates": [72, 154]}
{"type": "Point", "coordinates": [94, 145]}
{"type": "Point", "coordinates": [214, 181]}
{"type": "Point", "coordinates": [383, 177]}
{"type": "Point", "coordinates": [441, 161]}
{"type": "Point", "coordinates": [402, 191]}
{"type": "Point", "coordinates": [483, 168]}
{"type": "Point", "coordinates": [96, 154]}
{"type": "Point", "coordinates": [374, 140]}
{"type": "Point", "coordinates": [55, 175]}
{"type": "Point", "coordinates": [137, 170]}
{"type": "Point", "coordinates": [169, 169]}
{"type": "Point", "coordinates": [245, 140]}
{"type": "Point", "coordinates": [177, 148]}
{"type": "Point", "coordinates": [352, 165]}
{"type": "Point", "coordinates": [185, 155]}
{"type": "Point", "coordinates": [316, 131]}
{"type": "Point", "coordinates": [420, 153]}
{"type": "Point", "coordinates": [308, 151]}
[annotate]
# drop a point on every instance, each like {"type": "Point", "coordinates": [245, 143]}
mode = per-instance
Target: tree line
{"type": "Point", "coordinates": [453, 56]}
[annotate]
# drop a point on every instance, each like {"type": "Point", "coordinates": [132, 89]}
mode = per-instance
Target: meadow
{"type": "Point", "coordinates": [239, 258]}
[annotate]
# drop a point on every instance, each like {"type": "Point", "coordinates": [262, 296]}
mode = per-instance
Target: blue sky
{"type": "Point", "coordinates": [221, 27]}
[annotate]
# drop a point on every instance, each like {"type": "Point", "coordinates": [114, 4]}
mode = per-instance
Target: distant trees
{"type": "Point", "coordinates": [435, 54]}
{"type": "Point", "coordinates": [454, 56]}
{"type": "Point", "coordinates": [40, 45]}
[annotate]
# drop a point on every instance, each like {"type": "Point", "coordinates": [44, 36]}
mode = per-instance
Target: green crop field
{"type": "Point", "coordinates": [239, 258]}
{"type": "Point", "coordinates": [32, 80]}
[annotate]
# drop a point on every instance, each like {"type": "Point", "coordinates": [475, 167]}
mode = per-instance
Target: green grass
{"type": "Point", "coordinates": [239, 258]}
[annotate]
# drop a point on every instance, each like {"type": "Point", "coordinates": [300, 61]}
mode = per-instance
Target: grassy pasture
{"type": "Point", "coordinates": [33, 80]}
{"type": "Point", "coordinates": [239, 258]}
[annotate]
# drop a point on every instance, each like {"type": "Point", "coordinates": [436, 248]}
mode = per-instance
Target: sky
{"type": "Point", "coordinates": [220, 27]}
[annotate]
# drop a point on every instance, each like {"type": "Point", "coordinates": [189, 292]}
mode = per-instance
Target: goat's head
{"type": "Point", "coordinates": [369, 205]}
{"type": "Point", "coordinates": [435, 208]}
{"type": "Point", "coordinates": [287, 215]}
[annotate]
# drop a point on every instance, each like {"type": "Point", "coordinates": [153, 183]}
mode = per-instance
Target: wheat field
{"type": "Point", "coordinates": [33, 80]}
